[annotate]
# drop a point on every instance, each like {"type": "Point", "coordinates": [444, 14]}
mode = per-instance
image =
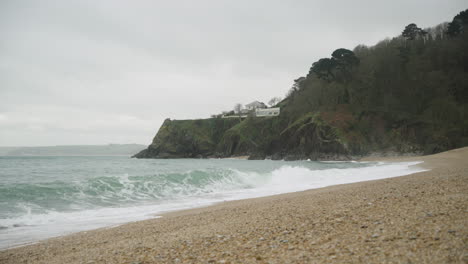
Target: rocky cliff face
{"type": "Point", "coordinates": [273, 138]}
{"type": "Point", "coordinates": [259, 138]}
{"type": "Point", "coordinates": [187, 138]}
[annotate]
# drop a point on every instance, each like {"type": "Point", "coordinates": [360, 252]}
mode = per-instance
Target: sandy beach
{"type": "Point", "coordinates": [419, 218]}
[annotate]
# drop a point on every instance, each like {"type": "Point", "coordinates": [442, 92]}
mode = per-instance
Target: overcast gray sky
{"type": "Point", "coordinates": [98, 72]}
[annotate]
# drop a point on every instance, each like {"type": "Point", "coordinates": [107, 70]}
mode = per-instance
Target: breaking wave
{"type": "Point", "coordinates": [33, 210]}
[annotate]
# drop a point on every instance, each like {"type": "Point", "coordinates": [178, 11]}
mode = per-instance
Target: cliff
{"type": "Point", "coordinates": [317, 136]}
{"type": "Point", "coordinates": [187, 138]}
{"type": "Point", "coordinates": [406, 95]}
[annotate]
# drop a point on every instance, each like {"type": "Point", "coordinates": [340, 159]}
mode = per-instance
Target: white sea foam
{"type": "Point", "coordinates": [293, 179]}
{"type": "Point", "coordinates": [232, 184]}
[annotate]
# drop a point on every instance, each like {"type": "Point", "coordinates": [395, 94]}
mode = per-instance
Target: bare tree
{"type": "Point", "coordinates": [237, 108]}
{"type": "Point", "coordinates": [274, 101]}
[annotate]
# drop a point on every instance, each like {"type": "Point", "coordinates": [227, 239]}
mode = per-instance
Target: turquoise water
{"type": "Point", "coordinates": [42, 197]}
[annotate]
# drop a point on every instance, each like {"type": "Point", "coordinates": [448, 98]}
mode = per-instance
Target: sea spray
{"type": "Point", "coordinates": [45, 197]}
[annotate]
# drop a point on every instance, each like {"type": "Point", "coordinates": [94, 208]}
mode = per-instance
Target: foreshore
{"type": "Point", "coordinates": [419, 218]}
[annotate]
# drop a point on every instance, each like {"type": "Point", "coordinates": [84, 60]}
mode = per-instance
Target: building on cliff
{"type": "Point", "coordinates": [267, 112]}
{"type": "Point", "coordinates": [255, 105]}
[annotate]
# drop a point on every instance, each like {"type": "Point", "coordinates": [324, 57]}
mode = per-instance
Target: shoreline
{"type": "Point", "coordinates": [249, 231]}
{"type": "Point", "coordinates": [163, 213]}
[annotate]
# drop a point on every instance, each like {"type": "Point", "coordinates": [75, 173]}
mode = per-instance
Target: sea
{"type": "Point", "coordinates": [43, 197]}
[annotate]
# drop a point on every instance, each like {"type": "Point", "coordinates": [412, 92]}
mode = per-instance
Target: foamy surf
{"type": "Point", "coordinates": [114, 190]}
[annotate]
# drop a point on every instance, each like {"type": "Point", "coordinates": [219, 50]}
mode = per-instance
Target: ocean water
{"type": "Point", "coordinates": [42, 197]}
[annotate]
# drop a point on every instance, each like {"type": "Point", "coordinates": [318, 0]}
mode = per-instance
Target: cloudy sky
{"type": "Point", "coordinates": [98, 72]}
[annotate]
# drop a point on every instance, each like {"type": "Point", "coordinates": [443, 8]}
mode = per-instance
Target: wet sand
{"type": "Point", "coordinates": [419, 218]}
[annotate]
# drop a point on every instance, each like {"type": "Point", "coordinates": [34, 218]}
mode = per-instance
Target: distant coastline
{"type": "Point", "coordinates": [73, 150]}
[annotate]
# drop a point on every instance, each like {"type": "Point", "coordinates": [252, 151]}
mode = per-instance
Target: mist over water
{"type": "Point", "coordinates": [42, 197]}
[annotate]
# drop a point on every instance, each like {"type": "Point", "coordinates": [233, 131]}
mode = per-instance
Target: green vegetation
{"type": "Point", "coordinates": [408, 94]}
{"type": "Point", "coordinates": [187, 138]}
{"type": "Point", "coordinates": [458, 24]}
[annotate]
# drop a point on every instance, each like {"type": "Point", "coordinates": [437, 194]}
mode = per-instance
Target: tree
{"type": "Point", "coordinates": [463, 17]}
{"type": "Point", "coordinates": [297, 85]}
{"type": "Point", "coordinates": [345, 61]}
{"type": "Point", "coordinates": [341, 62]}
{"type": "Point", "coordinates": [453, 29]}
{"type": "Point", "coordinates": [274, 101]}
{"type": "Point", "coordinates": [412, 31]}
{"type": "Point", "coordinates": [345, 57]}
{"type": "Point", "coordinates": [323, 68]}
{"type": "Point", "coordinates": [458, 24]}
{"type": "Point", "coordinates": [237, 108]}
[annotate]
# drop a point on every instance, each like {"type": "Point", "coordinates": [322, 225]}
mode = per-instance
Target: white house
{"type": "Point", "coordinates": [267, 112]}
{"type": "Point", "coordinates": [255, 105]}
{"type": "Point", "coordinates": [245, 111]}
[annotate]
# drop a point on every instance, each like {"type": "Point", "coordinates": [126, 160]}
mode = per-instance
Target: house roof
{"type": "Point", "coordinates": [255, 104]}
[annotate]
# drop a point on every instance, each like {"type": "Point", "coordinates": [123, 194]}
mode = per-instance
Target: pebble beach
{"type": "Point", "coordinates": [419, 218]}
